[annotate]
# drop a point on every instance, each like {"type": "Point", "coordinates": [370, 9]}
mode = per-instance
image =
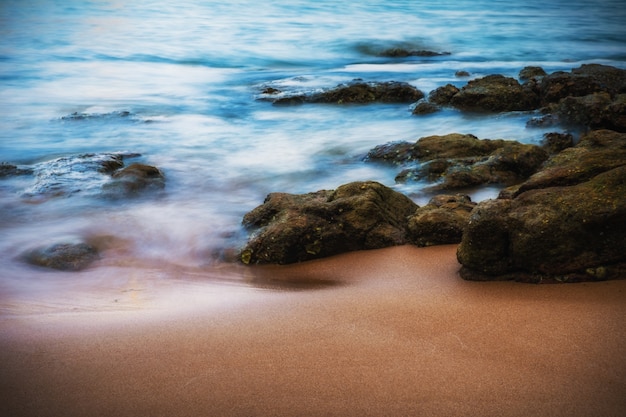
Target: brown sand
{"type": "Point", "coordinates": [392, 332]}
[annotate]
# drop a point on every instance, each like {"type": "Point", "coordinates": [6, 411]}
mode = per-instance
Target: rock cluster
{"type": "Point", "coordinates": [591, 95]}
{"type": "Point", "coordinates": [290, 228]}
{"type": "Point", "coordinates": [565, 223]}
{"type": "Point", "coordinates": [457, 161]}
{"type": "Point", "coordinates": [103, 175]}
{"type": "Point", "coordinates": [562, 217]}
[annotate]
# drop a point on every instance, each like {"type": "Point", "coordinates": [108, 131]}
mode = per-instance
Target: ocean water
{"type": "Point", "coordinates": [180, 83]}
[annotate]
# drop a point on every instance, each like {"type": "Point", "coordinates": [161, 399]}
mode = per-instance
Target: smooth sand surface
{"type": "Point", "coordinates": [392, 332]}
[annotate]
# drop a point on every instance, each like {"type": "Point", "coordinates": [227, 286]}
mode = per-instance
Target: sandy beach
{"type": "Point", "coordinates": [391, 332]}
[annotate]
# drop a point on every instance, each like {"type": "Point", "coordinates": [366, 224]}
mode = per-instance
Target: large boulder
{"type": "Point", "coordinates": [290, 228]}
{"type": "Point", "coordinates": [566, 223]}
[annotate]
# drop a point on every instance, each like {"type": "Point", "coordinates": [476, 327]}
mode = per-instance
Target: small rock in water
{"type": "Point", "coordinates": [63, 256]}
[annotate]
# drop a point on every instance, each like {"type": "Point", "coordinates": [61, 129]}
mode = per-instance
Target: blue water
{"type": "Point", "coordinates": [190, 75]}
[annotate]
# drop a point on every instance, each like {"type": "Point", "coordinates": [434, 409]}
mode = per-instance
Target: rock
{"type": "Point", "coordinates": [461, 74]}
{"type": "Point", "coordinates": [425, 107]}
{"type": "Point", "coordinates": [528, 73]}
{"type": "Point", "coordinates": [595, 111]}
{"type": "Point", "coordinates": [443, 95]}
{"type": "Point", "coordinates": [508, 165]}
{"type": "Point", "coordinates": [358, 92]}
{"type": "Point", "coordinates": [9, 170]}
{"type": "Point", "coordinates": [596, 152]}
{"type": "Point", "coordinates": [63, 256]}
{"type": "Point", "coordinates": [432, 170]}
{"type": "Point", "coordinates": [290, 228]}
{"type": "Point", "coordinates": [585, 80]}
{"type": "Point", "coordinates": [441, 221]}
{"type": "Point", "coordinates": [70, 175]}
{"type": "Point", "coordinates": [134, 179]}
{"type": "Point", "coordinates": [461, 161]}
{"type": "Point", "coordinates": [565, 223]}
{"type": "Point", "coordinates": [362, 92]}
{"type": "Point", "coordinates": [404, 53]}
{"type": "Point", "coordinates": [555, 142]}
{"type": "Point", "coordinates": [123, 114]}
{"type": "Point", "coordinates": [494, 93]}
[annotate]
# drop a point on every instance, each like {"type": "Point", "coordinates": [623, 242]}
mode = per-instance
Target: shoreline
{"type": "Point", "coordinates": [385, 332]}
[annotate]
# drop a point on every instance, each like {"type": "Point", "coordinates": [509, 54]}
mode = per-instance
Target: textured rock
{"type": "Point", "coordinates": [63, 256]}
{"type": "Point", "coordinates": [459, 161]}
{"type": "Point", "coordinates": [494, 93]}
{"type": "Point", "coordinates": [134, 179]}
{"type": "Point", "coordinates": [290, 228]}
{"type": "Point", "coordinates": [358, 92]}
{"type": "Point", "coordinates": [565, 223]}
{"type": "Point", "coordinates": [441, 221]}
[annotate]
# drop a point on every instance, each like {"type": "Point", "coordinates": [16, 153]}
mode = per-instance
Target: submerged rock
{"type": "Point", "coordinates": [290, 228]}
{"type": "Point", "coordinates": [134, 179]}
{"type": "Point", "coordinates": [565, 223]}
{"type": "Point", "coordinates": [404, 53]}
{"type": "Point", "coordinates": [9, 170]}
{"type": "Point", "coordinates": [63, 256]}
{"type": "Point", "coordinates": [68, 175]}
{"type": "Point", "coordinates": [91, 174]}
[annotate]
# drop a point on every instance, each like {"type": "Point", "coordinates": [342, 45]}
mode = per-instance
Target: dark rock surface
{"type": "Point", "coordinates": [8, 170]}
{"type": "Point", "coordinates": [458, 161]}
{"type": "Point", "coordinates": [404, 53]}
{"type": "Point", "coordinates": [290, 228]}
{"type": "Point", "coordinates": [494, 93]}
{"type": "Point", "coordinates": [358, 92]}
{"type": "Point", "coordinates": [441, 221]}
{"type": "Point", "coordinates": [63, 256]}
{"type": "Point", "coordinates": [592, 96]}
{"type": "Point", "coordinates": [531, 72]}
{"type": "Point", "coordinates": [565, 223]}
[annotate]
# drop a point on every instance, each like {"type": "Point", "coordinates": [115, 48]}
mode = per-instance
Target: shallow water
{"type": "Point", "coordinates": [180, 83]}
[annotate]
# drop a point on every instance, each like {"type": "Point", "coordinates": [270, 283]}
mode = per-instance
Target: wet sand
{"type": "Point", "coordinates": [393, 332]}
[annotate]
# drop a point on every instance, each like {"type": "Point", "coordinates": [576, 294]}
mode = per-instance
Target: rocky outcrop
{"type": "Point", "coordinates": [63, 256]}
{"type": "Point", "coordinates": [357, 92]}
{"type": "Point", "coordinates": [565, 223]}
{"type": "Point", "coordinates": [290, 228]}
{"type": "Point", "coordinates": [457, 161]}
{"type": "Point", "coordinates": [591, 96]}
